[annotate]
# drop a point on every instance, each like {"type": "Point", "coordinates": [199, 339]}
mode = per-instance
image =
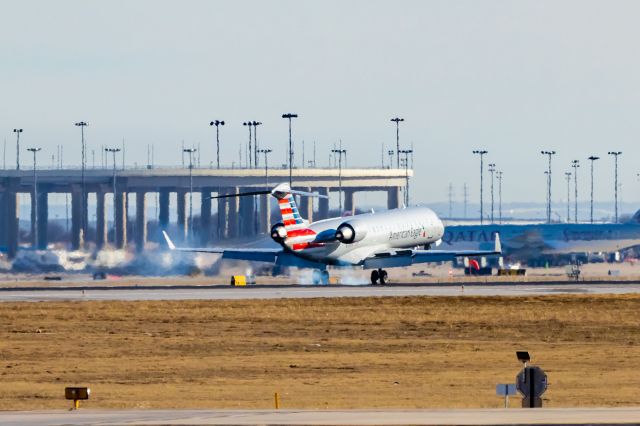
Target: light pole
{"type": "Point", "coordinates": [266, 152]}
{"type": "Point", "coordinates": [549, 154]}
{"type": "Point", "coordinates": [406, 153]}
{"type": "Point", "coordinates": [82, 125]}
{"type": "Point", "coordinates": [397, 120]}
{"type": "Point", "coordinates": [615, 155]}
{"type": "Point", "coordinates": [575, 164]}
{"type": "Point", "coordinates": [34, 219]}
{"type": "Point", "coordinates": [492, 169]}
{"type": "Point", "coordinates": [190, 151]}
{"type": "Point", "coordinates": [290, 116]}
{"type": "Point", "coordinates": [255, 141]}
{"type": "Point", "coordinates": [499, 177]}
{"type": "Point", "coordinates": [114, 151]}
{"type": "Point", "coordinates": [17, 132]}
{"type": "Point", "coordinates": [568, 176]}
{"type": "Point", "coordinates": [249, 124]}
{"type": "Point", "coordinates": [340, 153]}
{"type": "Point", "coordinates": [390, 153]}
{"type": "Point", "coordinates": [592, 158]}
{"type": "Point", "coordinates": [217, 123]}
{"type": "Point", "coordinates": [481, 153]}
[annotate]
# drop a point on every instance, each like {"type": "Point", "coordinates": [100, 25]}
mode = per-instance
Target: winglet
{"type": "Point", "coordinates": [168, 240]}
{"type": "Point", "coordinates": [498, 245]}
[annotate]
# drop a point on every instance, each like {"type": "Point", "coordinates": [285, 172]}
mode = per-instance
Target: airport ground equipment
{"type": "Point", "coordinates": [242, 280]}
{"type": "Point", "coordinates": [373, 241]}
{"type": "Point", "coordinates": [506, 390]}
{"type": "Point", "coordinates": [531, 382]}
{"type": "Point", "coordinates": [77, 394]}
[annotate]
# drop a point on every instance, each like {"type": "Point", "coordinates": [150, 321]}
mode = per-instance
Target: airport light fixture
{"type": "Point", "coordinates": [481, 153]}
{"type": "Point", "coordinates": [250, 161]}
{"type": "Point", "coordinates": [390, 153]}
{"type": "Point", "coordinates": [499, 177]}
{"type": "Point", "coordinates": [83, 199]}
{"type": "Point", "coordinates": [550, 154]}
{"type": "Point", "coordinates": [575, 164]}
{"type": "Point", "coordinates": [266, 152]}
{"type": "Point", "coordinates": [615, 155]}
{"type": "Point", "coordinates": [568, 176]}
{"type": "Point", "coordinates": [114, 151]}
{"type": "Point", "coordinates": [397, 120]}
{"type": "Point", "coordinates": [340, 152]}
{"type": "Point", "coordinates": [592, 158]}
{"type": "Point", "coordinates": [190, 151]}
{"type": "Point", "coordinates": [492, 170]}
{"type": "Point", "coordinates": [217, 123]}
{"type": "Point", "coordinates": [406, 153]}
{"type": "Point", "coordinates": [34, 212]}
{"type": "Point", "coordinates": [17, 132]}
{"type": "Point", "coordinates": [255, 142]}
{"type": "Point", "coordinates": [289, 116]}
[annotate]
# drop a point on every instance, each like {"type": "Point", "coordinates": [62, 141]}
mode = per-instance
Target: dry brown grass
{"type": "Point", "coordinates": [348, 352]}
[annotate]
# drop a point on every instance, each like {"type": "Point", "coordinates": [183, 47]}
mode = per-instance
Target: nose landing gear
{"type": "Point", "coordinates": [379, 275]}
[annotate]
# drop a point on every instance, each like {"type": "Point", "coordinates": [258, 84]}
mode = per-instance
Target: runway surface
{"type": "Point", "coordinates": [299, 291]}
{"type": "Point", "coordinates": [327, 417]}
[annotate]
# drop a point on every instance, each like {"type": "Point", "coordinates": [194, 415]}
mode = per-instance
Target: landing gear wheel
{"type": "Point", "coordinates": [374, 277]}
{"type": "Point", "coordinates": [325, 277]}
{"type": "Point", "coordinates": [383, 276]}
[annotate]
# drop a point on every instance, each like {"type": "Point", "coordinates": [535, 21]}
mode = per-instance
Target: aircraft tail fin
{"type": "Point", "coordinates": [635, 218]}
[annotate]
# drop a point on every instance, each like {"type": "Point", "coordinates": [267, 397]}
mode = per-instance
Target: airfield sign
{"type": "Point", "coordinates": [531, 382]}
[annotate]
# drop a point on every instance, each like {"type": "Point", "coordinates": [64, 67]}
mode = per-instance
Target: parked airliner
{"type": "Point", "coordinates": [375, 240]}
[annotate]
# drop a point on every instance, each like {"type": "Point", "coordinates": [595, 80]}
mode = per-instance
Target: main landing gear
{"type": "Point", "coordinates": [379, 275]}
{"type": "Point", "coordinates": [321, 277]}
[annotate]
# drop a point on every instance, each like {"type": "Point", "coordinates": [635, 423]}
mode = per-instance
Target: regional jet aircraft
{"type": "Point", "coordinates": [376, 240]}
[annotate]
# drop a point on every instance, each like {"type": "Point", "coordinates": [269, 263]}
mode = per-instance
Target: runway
{"type": "Point", "coordinates": [514, 416]}
{"type": "Point", "coordinates": [300, 291]}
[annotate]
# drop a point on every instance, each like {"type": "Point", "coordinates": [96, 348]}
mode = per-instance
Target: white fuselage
{"type": "Point", "coordinates": [372, 233]}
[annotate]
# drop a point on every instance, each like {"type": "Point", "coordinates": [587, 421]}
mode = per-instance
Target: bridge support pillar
{"type": "Point", "coordinates": [349, 200]}
{"type": "Point", "coordinates": [223, 215]}
{"type": "Point", "coordinates": [163, 213]}
{"type": "Point", "coordinates": [393, 197]}
{"type": "Point", "coordinates": [205, 216]}
{"type": "Point", "coordinates": [306, 206]}
{"type": "Point", "coordinates": [77, 235]}
{"type": "Point", "coordinates": [265, 213]}
{"type": "Point", "coordinates": [141, 221]}
{"type": "Point", "coordinates": [101, 220]}
{"type": "Point", "coordinates": [183, 225]}
{"type": "Point", "coordinates": [233, 209]}
{"type": "Point", "coordinates": [323, 204]}
{"type": "Point", "coordinates": [43, 219]}
{"type": "Point", "coordinates": [247, 215]}
{"type": "Point", "coordinates": [9, 221]}
{"type": "Point", "coordinates": [121, 220]}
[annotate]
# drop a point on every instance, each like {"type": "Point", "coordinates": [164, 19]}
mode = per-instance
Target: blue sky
{"type": "Point", "coordinates": [513, 77]}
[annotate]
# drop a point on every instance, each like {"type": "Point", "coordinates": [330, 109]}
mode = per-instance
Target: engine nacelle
{"type": "Point", "coordinates": [278, 233]}
{"type": "Point", "coordinates": [351, 232]}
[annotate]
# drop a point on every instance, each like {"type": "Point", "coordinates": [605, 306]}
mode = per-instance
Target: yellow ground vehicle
{"type": "Point", "coordinates": [242, 280]}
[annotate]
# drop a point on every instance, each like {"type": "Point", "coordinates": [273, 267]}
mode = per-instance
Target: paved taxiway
{"type": "Point", "coordinates": [547, 416]}
{"type": "Point", "coordinates": [298, 291]}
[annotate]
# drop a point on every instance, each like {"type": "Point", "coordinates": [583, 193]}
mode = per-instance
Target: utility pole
{"type": "Point", "coordinates": [615, 155]}
{"type": "Point", "coordinates": [549, 154]}
{"type": "Point", "coordinates": [575, 164]}
{"type": "Point", "coordinates": [492, 169]}
{"type": "Point", "coordinates": [592, 158]}
{"type": "Point", "coordinates": [481, 153]}
{"type": "Point", "coordinates": [255, 141]}
{"type": "Point", "coordinates": [397, 120]}
{"type": "Point", "coordinates": [406, 153]}
{"type": "Point", "coordinates": [114, 151]}
{"type": "Point", "coordinates": [499, 176]}
{"type": "Point", "coordinates": [266, 152]}
{"type": "Point", "coordinates": [568, 176]}
{"type": "Point", "coordinates": [190, 151]}
{"type": "Point", "coordinates": [34, 218]}
{"type": "Point", "coordinates": [340, 152]}
{"type": "Point", "coordinates": [17, 132]}
{"type": "Point", "coordinates": [83, 197]}
{"type": "Point", "coordinates": [249, 157]}
{"type": "Point", "coordinates": [289, 116]}
{"type": "Point", "coordinates": [466, 198]}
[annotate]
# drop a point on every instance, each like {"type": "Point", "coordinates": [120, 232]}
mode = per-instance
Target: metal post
{"type": "Point", "coordinates": [492, 169]}
{"type": "Point", "coordinates": [592, 158]}
{"type": "Point", "coordinates": [35, 197]}
{"type": "Point", "coordinates": [575, 164]}
{"type": "Point", "coordinates": [217, 123]}
{"type": "Point", "coordinates": [255, 141]}
{"type": "Point", "coordinates": [499, 197]}
{"type": "Point", "coordinates": [83, 224]}
{"type": "Point", "coordinates": [397, 120]}
{"type": "Point", "coordinates": [249, 156]}
{"type": "Point", "coordinates": [190, 151]}
{"type": "Point", "coordinates": [568, 176]}
{"type": "Point", "coordinates": [114, 151]}
{"type": "Point", "coordinates": [340, 152]}
{"type": "Point", "coordinates": [616, 154]}
{"type": "Point", "coordinates": [17, 132]}
{"type": "Point", "coordinates": [481, 153]}
{"type": "Point", "coordinates": [290, 116]}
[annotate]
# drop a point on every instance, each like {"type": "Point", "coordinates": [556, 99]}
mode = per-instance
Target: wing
{"type": "Point", "coordinates": [398, 258]}
{"type": "Point", "coordinates": [249, 254]}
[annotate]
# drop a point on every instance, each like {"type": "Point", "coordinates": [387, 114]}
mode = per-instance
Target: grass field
{"type": "Point", "coordinates": [319, 353]}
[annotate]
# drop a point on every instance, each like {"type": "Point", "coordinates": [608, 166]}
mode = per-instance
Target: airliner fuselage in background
{"type": "Point", "coordinates": [376, 240]}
